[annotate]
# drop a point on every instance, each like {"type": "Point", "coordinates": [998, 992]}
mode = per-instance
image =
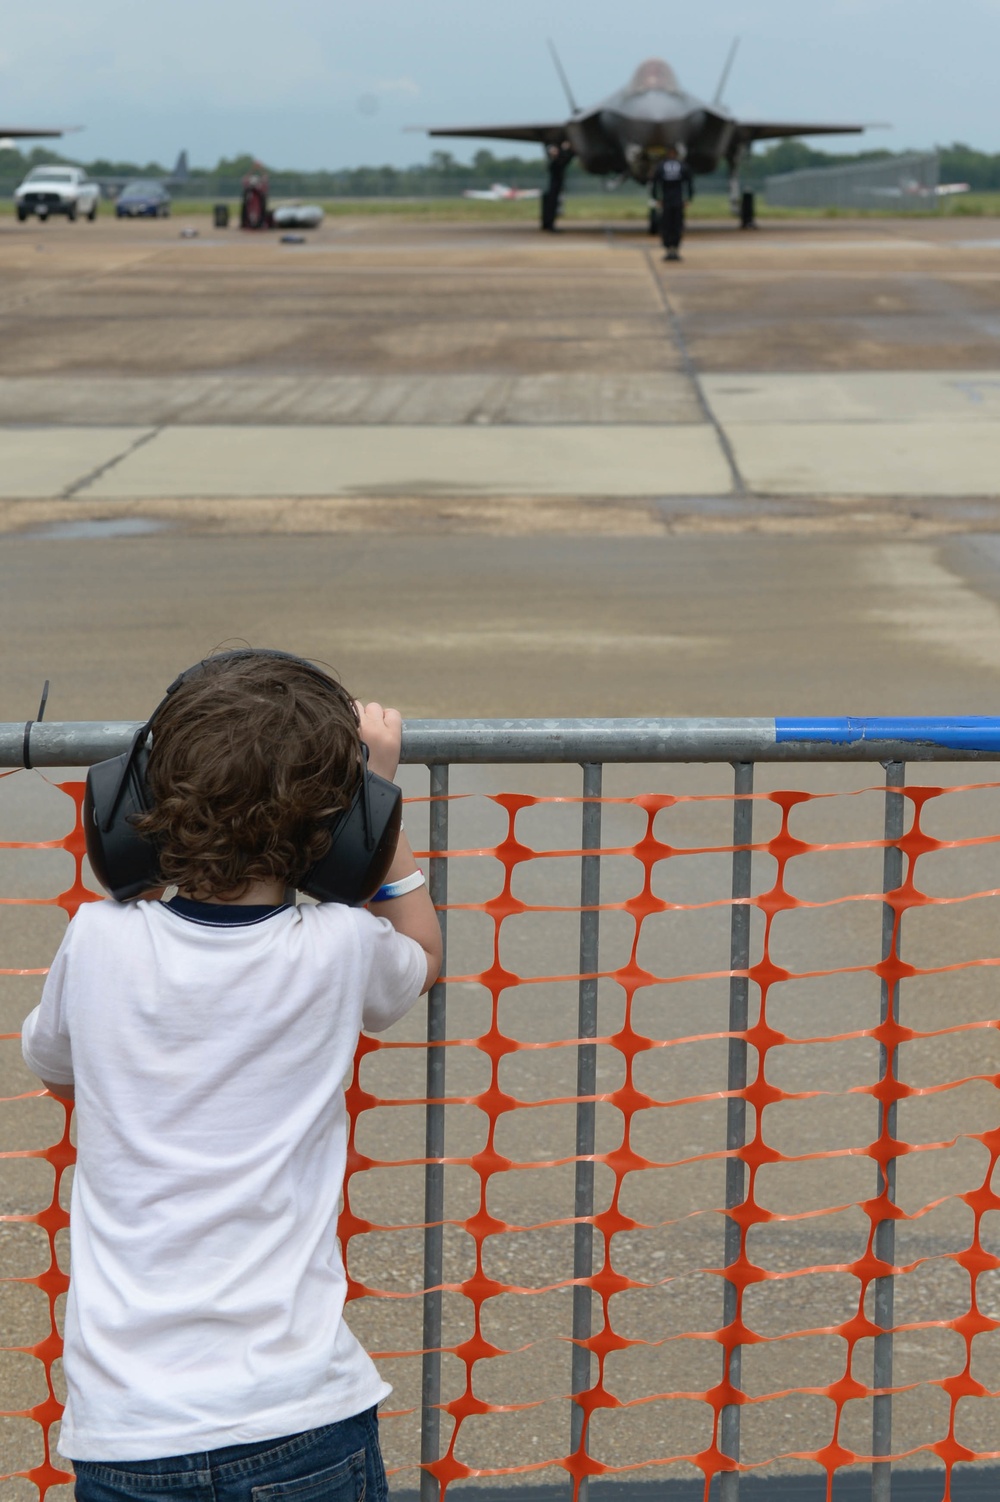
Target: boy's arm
{"type": "Point", "coordinates": [61, 1092]}
{"type": "Point", "coordinates": [412, 914]}
{"type": "Point", "coordinates": [45, 1041]}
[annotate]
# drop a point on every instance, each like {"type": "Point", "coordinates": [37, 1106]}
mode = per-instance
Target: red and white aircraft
{"type": "Point", "coordinates": [501, 193]}
{"type": "Point", "coordinates": [909, 187]}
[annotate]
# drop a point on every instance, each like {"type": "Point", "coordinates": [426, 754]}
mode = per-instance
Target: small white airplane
{"type": "Point", "coordinates": [501, 193]}
{"type": "Point", "coordinates": [910, 188]}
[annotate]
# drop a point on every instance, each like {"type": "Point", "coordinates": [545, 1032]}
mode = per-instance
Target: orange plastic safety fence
{"type": "Point", "coordinates": [948, 1317]}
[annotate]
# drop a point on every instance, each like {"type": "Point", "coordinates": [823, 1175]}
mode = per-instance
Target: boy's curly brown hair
{"type": "Point", "coordinates": [250, 759]}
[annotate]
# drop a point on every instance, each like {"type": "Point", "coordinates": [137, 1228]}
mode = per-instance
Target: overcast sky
{"type": "Point", "coordinates": [333, 83]}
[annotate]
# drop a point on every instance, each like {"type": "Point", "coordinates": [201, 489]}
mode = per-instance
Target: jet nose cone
{"type": "Point", "coordinates": [653, 107]}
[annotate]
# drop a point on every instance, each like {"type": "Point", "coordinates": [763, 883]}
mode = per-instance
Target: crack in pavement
{"type": "Point", "coordinates": [80, 485]}
{"type": "Point", "coordinates": [689, 368]}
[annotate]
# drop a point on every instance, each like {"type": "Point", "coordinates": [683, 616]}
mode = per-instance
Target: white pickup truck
{"type": "Point", "coordinates": [57, 190]}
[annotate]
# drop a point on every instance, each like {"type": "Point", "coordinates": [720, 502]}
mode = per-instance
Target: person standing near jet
{"type": "Point", "coordinates": [559, 157]}
{"type": "Point", "coordinates": [674, 187]}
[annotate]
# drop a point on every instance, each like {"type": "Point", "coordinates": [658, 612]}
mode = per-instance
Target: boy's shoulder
{"type": "Point", "coordinates": [338, 916]}
{"type": "Point", "coordinates": [90, 915]}
{"type": "Point", "coordinates": [92, 920]}
{"type": "Point", "coordinates": [370, 933]}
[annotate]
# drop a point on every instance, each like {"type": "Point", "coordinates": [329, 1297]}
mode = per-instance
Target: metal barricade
{"type": "Point", "coordinates": [596, 745]}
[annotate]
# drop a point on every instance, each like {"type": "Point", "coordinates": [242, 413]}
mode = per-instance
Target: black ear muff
{"type": "Point", "coordinates": [124, 862]}
{"type": "Point", "coordinates": [363, 842]}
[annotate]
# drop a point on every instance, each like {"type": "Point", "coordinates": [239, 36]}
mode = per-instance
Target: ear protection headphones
{"type": "Point", "coordinates": [362, 836]}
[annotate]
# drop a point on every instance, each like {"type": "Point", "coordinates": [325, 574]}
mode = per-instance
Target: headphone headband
{"type": "Point", "coordinates": [237, 654]}
{"type": "Point", "coordinates": [194, 671]}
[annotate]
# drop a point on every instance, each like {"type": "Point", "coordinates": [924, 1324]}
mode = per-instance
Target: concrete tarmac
{"type": "Point", "coordinates": [790, 355]}
{"type": "Point", "coordinates": [801, 364]}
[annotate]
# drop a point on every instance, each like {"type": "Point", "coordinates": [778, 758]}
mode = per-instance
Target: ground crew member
{"type": "Point", "coordinates": [675, 186]}
{"type": "Point", "coordinates": [559, 157]}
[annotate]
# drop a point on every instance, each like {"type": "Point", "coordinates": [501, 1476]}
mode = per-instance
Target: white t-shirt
{"type": "Point", "coordinates": [207, 1285]}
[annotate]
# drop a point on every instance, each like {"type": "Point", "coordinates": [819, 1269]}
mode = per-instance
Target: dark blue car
{"type": "Point", "coordinates": [142, 200]}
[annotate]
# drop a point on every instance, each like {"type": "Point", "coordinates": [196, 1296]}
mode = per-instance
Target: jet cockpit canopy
{"type": "Point", "coordinates": [653, 74]}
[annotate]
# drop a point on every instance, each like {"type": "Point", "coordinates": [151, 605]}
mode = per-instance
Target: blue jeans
{"type": "Point", "coordinates": [338, 1463]}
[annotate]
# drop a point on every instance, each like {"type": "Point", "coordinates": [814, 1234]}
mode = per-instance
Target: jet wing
{"type": "Point", "coordinates": [20, 132]}
{"type": "Point", "coordinates": [547, 135]}
{"type": "Point", "coordinates": [763, 130]}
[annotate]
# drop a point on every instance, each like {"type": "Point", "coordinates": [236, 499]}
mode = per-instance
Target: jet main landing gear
{"type": "Point", "coordinates": [742, 201]}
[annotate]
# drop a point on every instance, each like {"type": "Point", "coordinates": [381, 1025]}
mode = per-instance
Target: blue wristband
{"type": "Point", "coordinates": [399, 888]}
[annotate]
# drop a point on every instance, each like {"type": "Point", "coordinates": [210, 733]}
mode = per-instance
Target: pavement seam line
{"type": "Point", "coordinates": [689, 368]}
{"type": "Point", "coordinates": [78, 486]}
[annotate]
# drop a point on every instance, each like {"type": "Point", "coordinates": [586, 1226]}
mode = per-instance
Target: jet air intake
{"type": "Point", "coordinates": [597, 149]}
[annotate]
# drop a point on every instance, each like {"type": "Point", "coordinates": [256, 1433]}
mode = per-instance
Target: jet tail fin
{"type": "Point", "coordinates": [562, 77]}
{"type": "Point", "coordinates": [181, 172]}
{"type": "Point", "coordinates": [726, 71]}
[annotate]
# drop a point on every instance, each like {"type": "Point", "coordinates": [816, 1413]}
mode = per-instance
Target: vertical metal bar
{"type": "Point", "coordinates": [430, 1387]}
{"type": "Point", "coordinates": [586, 1086]}
{"type": "Point", "coordinates": [736, 1112]}
{"type": "Point", "coordinates": [885, 1231]}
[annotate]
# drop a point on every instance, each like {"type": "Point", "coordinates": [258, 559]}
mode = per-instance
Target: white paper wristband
{"type": "Point", "coordinates": [399, 888]}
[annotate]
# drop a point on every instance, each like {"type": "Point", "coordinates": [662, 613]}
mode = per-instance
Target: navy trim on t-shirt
{"type": "Point", "coordinates": [222, 914]}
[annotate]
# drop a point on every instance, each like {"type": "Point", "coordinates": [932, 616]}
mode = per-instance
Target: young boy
{"type": "Point", "coordinates": [206, 1039]}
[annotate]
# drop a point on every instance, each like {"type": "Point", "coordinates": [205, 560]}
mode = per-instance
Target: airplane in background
{"type": "Point", "coordinates": [177, 178]}
{"type": "Point", "coordinates": [501, 193]}
{"type": "Point", "coordinates": [909, 187]}
{"type": "Point", "coordinates": [627, 134]}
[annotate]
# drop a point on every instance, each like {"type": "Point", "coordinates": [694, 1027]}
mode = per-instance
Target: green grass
{"type": "Point", "coordinates": [633, 207]}
{"type": "Point", "coordinates": [628, 206]}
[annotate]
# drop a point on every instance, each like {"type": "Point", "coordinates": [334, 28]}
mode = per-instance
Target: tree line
{"type": "Point", "coordinates": [442, 176]}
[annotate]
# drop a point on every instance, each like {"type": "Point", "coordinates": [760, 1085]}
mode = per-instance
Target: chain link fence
{"type": "Point", "coordinates": [900, 183]}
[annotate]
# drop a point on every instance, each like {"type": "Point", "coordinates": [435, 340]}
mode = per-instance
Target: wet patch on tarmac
{"type": "Point", "coordinates": [97, 529]}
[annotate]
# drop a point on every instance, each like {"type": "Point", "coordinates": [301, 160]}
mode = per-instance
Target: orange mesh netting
{"type": "Point", "coordinates": [806, 1271]}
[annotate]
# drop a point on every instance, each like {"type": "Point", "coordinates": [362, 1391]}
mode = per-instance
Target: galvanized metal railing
{"type": "Point", "coordinates": [592, 743]}
{"type": "Point", "coordinates": [44, 743]}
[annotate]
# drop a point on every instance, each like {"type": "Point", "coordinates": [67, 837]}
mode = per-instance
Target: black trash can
{"type": "Point", "coordinates": [748, 210]}
{"type": "Point", "coordinates": [221, 216]}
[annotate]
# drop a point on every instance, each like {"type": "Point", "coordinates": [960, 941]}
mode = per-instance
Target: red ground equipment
{"type": "Point", "coordinates": [254, 212]}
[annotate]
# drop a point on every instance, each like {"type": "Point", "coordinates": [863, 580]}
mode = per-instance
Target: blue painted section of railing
{"type": "Point", "coordinates": [958, 733]}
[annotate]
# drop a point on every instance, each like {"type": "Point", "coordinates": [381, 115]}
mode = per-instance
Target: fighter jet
{"type": "Point", "coordinates": [625, 136]}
